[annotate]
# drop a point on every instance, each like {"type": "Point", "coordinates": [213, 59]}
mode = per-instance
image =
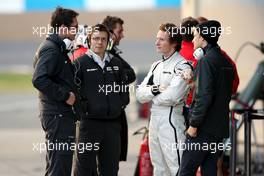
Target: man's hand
{"type": "Point", "coordinates": [162, 88]}
{"type": "Point", "coordinates": [187, 75]}
{"type": "Point", "coordinates": [192, 131]}
{"type": "Point", "coordinates": [71, 99]}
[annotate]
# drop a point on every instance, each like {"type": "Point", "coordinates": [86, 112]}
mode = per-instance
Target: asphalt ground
{"type": "Point", "coordinates": [20, 131]}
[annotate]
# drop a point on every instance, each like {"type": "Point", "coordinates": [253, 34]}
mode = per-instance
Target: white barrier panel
{"type": "Point", "coordinates": [12, 6]}
{"type": "Point", "coordinates": [18, 6]}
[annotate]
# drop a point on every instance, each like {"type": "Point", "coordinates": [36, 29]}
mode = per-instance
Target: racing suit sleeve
{"type": "Point", "coordinates": [176, 91]}
{"type": "Point", "coordinates": [144, 90]}
{"type": "Point", "coordinates": [204, 92]}
{"type": "Point", "coordinates": [46, 67]}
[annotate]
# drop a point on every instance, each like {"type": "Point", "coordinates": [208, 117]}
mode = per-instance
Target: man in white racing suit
{"type": "Point", "coordinates": [166, 85]}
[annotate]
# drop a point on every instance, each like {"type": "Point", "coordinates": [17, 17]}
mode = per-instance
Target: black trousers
{"type": "Point", "coordinates": [123, 135]}
{"type": "Point", "coordinates": [60, 136]}
{"type": "Point", "coordinates": [101, 153]}
{"type": "Point", "coordinates": [201, 150]}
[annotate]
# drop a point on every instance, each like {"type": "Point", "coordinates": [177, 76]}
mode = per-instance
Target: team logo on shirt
{"type": "Point", "coordinates": [91, 69]}
{"type": "Point", "coordinates": [108, 68]}
{"type": "Point", "coordinates": [116, 68]}
{"type": "Point", "coordinates": [166, 72]}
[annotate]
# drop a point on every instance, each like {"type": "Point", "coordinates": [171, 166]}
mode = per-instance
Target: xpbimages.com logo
{"type": "Point", "coordinates": [117, 88]}
{"type": "Point", "coordinates": [64, 146]}
{"type": "Point", "coordinates": [193, 146]}
{"type": "Point", "coordinates": [213, 31]}
{"type": "Point", "coordinates": [41, 31]}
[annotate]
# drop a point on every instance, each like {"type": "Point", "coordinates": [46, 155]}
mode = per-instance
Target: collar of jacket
{"type": "Point", "coordinates": [209, 47]}
{"type": "Point", "coordinates": [164, 59]}
{"type": "Point", "coordinates": [97, 59]}
{"type": "Point", "coordinates": [58, 41]}
{"type": "Point", "coordinates": [115, 51]}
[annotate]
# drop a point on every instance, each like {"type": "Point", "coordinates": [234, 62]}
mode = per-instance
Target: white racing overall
{"type": "Point", "coordinates": [166, 128]}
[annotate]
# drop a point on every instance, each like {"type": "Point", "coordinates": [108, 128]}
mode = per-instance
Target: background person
{"type": "Point", "coordinates": [115, 26]}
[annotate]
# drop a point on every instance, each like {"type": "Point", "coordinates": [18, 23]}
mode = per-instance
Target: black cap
{"type": "Point", "coordinates": [209, 30]}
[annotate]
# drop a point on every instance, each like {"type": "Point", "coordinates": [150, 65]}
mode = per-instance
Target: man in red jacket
{"type": "Point", "coordinates": [81, 42]}
{"type": "Point", "coordinates": [187, 37]}
{"type": "Point", "coordinates": [236, 80]}
{"type": "Point", "coordinates": [187, 47]}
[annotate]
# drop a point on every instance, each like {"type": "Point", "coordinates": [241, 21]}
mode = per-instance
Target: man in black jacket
{"type": "Point", "coordinates": [101, 87]}
{"type": "Point", "coordinates": [53, 77]}
{"type": "Point", "coordinates": [208, 116]}
{"type": "Point", "coordinates": [115, 26]}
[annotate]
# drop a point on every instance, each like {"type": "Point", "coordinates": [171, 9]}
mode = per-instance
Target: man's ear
{"type": "Point", "coordinates": [205, 42]}
{"type": "Point", "coordinates": [175, 45]}
{"type": "Point", "coordinates": [113, 36]}
{"type": "Point", "coordinates": [63, 30]}
{"type": "Point", "coordinates": [88, 43]}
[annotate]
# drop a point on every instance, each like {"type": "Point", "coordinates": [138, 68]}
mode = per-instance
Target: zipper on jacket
{"type": "Point", "coordinates": [103, 71]}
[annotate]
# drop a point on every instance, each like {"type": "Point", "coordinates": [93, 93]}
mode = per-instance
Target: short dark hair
{"type": "Point", "coordinates": [174, 34]}
{"type": "Point", "coordinates": [111, 21]}
{"type": "Point", "coordinates": [186, 28]}
{"type": "Point", "coordinates": [201, 19]}
{"type": "Point", "coordinates": [98, 28]}
{"type": "Point", "coordinates": [62, 16]}
{"type": "Point", "coordinates": [210, 30]}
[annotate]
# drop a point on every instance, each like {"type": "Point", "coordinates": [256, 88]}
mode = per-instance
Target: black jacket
{"type": "Point", "coordinates": [129, 73]}
{"type": "Point", "coordinates": [53, 76]}
{"type": "Point", "coordinates": [128, 76]}
{"type": "Point", "coordinates": [98, 98]}
{"type": "Point", "coordinates": [210, 109]}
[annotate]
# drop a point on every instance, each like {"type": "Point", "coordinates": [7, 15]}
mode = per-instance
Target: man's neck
{"type": "Point", "coordinates": [101, 55]}
{"type": "Point", "coordinates": [168, 54]}
{"type": "Point", "coordinates": [204, 45]}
